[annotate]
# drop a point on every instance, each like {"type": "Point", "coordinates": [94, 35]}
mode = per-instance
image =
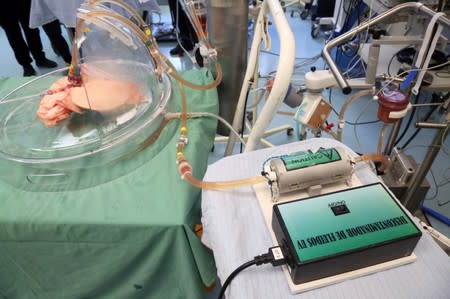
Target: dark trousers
{"type": "Point", "coordinates": [59, 44]}
{"type": "Point", "coordinates": [186, 31]}
{"type": "Point", "coordinates": [12, 18]}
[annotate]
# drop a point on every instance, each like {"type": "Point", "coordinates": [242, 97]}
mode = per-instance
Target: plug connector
{"type": "Point", "coordinates": [275, 256]}
{"type": "Point", "coordinates": [278, 258]}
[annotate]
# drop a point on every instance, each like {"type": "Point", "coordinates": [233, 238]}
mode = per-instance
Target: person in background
{"type": "Point", "coordinates": [186, 33]}
{"type": "Point", "coordinates": [14, 17]}
{"type": "Point", "coordinates": [57, 40]}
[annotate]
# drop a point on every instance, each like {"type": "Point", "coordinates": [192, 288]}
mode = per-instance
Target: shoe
{"type": "Point", "coordinates": [178, 51]}
{"type": "Point", "coordinates": [47, 63]}
{"type": "Point", "coordinates": [28, 71]}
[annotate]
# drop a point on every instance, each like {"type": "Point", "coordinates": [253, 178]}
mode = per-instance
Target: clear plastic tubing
{"type": "Point", "coordinates": [148, 40]}
{"type": "Point", "coordinates": [347, 103]}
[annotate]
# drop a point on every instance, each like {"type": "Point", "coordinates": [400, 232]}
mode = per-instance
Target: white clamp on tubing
{"type": "Point", "coordinates": [426, 46]}
{"type": "Point", "coordinates": [401, 113]}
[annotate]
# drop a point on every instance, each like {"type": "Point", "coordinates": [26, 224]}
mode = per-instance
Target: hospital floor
{"type": "Point", "coordinates": [361, 138]}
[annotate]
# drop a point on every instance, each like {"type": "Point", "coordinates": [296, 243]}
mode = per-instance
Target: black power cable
{"type": "Point", "coordinates": [233, 274]}
{"type": "Point", "coordinates": [349, 122]}
{"type": "Point", "coordinates": [395, 55]}
{"type": "Point", "coordinates": [274, 256]}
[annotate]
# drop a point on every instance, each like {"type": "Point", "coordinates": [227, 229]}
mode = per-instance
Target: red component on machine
{"type": "Point", "coordinates": [329, 126]}
{"type": "Point", "coordinates": [391, 101]}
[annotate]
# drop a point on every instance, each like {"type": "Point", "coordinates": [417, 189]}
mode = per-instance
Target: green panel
{"type": "Point", "coordinates": [129, 237]}
{"type": "Point", "coordinates": [308, 158]}
{"type": "Point", "coordinates": [373, 218]}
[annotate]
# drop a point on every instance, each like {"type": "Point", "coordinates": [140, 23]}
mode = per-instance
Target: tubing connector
{"type": "Point", "coordinates": [147, 30]}
{"type": "Point", "coordinates": [183, 132]}
{"type": "Point", "coordinates": [182, 140]}
{"type": "Point", "coordinates": [184, 168]}
{"type": "Point", "coordinates": [74, 75]}
{"type": "Point", "coordinates": [180, 157]}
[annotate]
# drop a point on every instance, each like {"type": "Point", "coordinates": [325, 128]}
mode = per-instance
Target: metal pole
{"type": "Point", "coordinates": [227, 30]}
{"type": "Point", "coordinates": [392, 136]}
{"type": "Point", "coordinates": [326, 53]}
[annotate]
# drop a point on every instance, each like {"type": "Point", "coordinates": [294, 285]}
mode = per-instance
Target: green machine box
{"type": "Point", "coordinates": [343, 231]}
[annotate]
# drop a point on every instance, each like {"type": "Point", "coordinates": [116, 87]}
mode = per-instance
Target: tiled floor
{"type": "Point", "coordinates": [361, 138]}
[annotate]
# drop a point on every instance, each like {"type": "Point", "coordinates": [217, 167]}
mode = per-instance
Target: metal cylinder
{"type": "Point", "coordinates": [227, 23]}
{"type": "Point", "coordinates": [304, 169]}
{"type": "Point", "coordinates": [372, 63]}
{"type": "Point", "coordinates": [428, 125]}
{"type": "Point", "coordinates": [392, 137]}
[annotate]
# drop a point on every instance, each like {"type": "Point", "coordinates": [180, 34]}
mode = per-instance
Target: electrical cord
{"type": "Point", "coordinates": [389, 64]}
{"type": "Point", "coordinates": [349, 122]}
{"type": "Point", "coordinates": [357, 121]}
{"type": "Point", "coordinates": [369, 122]}
{"type": "Point", "coordinates": [395, 56]}
{"type": "Point", "coordinates": [437, 185]}
{"type": "Point", "coordinates": [436, 192]}
{"type": "Point", "coordinates": [436, 188]}
{"type": "Point", "coordinates": [274, 256]}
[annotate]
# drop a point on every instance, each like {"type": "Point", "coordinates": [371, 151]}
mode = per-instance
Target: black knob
{"type": "Point", "coordinates": [313, 69]}
{"type": "Point", "coordinates": [377, 32]}
{"type": "Point", "coordinates": [346, 90]}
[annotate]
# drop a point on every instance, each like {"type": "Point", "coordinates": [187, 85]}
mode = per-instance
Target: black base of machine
{"type": "Point", "coordinates": [339, 232]}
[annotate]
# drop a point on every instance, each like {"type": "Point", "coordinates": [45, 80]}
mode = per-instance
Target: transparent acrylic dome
{"type": "Point", "coordinates": [119, 105]}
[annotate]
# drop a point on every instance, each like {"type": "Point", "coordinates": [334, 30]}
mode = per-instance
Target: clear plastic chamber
{"type": "Point", "coordinates": [120, 104]}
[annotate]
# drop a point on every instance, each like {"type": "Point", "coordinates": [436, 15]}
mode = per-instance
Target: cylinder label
{"type": "Point", "coordinates": [306, 159]}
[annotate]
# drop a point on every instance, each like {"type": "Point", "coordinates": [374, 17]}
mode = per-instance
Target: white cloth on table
{"type": "Point", "coordinates": [45, 11]}
{"type": "Point", "coordinates": [235, 229]}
